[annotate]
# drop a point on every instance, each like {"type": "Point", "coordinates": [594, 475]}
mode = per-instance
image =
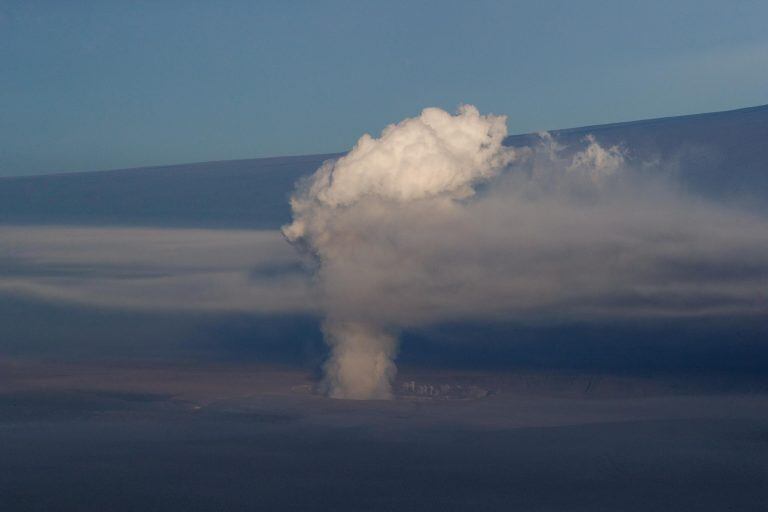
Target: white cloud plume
{"type": "Point", "coordinates": [595, 162]}
{"type": "Point", "coordinates": [438, 221]}
{"type": "Point", "coordinates": [434, 159]}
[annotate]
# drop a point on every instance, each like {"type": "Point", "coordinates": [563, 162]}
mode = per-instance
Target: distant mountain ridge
{"type": "Point", "coordinates": [736, 113]}
{"type": "Point", "coordinates": [723, 154]}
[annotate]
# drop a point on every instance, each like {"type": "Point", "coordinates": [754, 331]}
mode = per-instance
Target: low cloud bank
{"type": "Point", "coordinates": [155, 269]}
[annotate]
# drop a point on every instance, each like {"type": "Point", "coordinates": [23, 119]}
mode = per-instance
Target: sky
{"type": "Point", "coordinates": [88, 85]}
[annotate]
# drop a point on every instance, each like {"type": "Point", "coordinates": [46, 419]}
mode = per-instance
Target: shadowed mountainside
{"type": "Point", "coordinates": [234, 193]}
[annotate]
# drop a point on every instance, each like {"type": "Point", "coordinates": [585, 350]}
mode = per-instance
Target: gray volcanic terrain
{"type": "Point", "coordinates": [243, 437]}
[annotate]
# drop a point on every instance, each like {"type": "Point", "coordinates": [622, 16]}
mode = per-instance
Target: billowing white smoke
{"type": "Point", "coordinates": [437, 221]}
{"type": "Point", "coordinates": [427, 156]}
{"type": "Point", "coordinates": [435, 158]}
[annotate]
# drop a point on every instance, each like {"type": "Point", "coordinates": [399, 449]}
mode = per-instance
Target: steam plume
{"type": "Point", "coordinates": [435, 158]}
{"type": "Point", "coordinates": [437, 221]}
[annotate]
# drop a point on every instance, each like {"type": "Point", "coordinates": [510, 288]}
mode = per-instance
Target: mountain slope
{"type": "Point", "coordinates": [243, 193]}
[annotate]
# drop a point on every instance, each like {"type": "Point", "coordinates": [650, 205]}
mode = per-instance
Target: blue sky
{"type": "Point", "coordinates": [110, 84]}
